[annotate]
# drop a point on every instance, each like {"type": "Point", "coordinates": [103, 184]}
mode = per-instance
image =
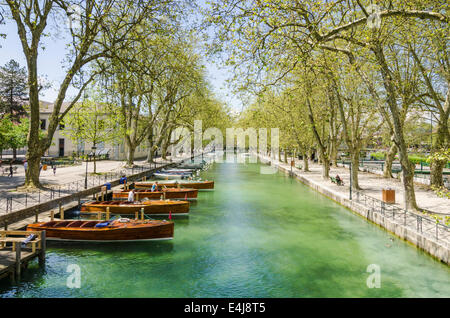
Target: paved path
{"type": "Point", "coordinates": [66, 180]}
{"type": "Point", "coordinates": [372, 184]}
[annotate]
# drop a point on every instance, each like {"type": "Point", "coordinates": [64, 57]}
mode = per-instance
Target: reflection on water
{"type": "Point", "coordinates": [255, 235]}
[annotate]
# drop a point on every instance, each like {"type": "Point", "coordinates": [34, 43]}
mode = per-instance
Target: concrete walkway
{"type": "Point", "coordinates": [67, 180]}
{"type": "Point", "coordinates": [372, 184]}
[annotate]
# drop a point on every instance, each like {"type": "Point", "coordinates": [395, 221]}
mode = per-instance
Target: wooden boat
{"type": "Point", "coordinates": [170, 176]}
{"type": "Point", "coordinates": [186, 171]}
{"type": "Point", "coordinates": [105, 231]}
{"type": "Point", "coordinates": [154, 207]}
{"type": "Point", "coordinates": [200, 185]}
{"type": "Point", "coordinates": [168, 193]}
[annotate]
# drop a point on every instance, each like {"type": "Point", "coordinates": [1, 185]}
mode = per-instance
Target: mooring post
{"type": "Point", "coordinates": [136, 215]}
{"type": "Point", "coordinates": [18, 247]}
{"type": "Point", "coordinates": [142, 214]}
{"type": "Point", "coordinates": [36, 215]}
{"type": "Point", "coordinates": [43, 247]}
{"type": "Point", "coordinates": [52, 215]}
{"type": "Point", "coordinates": [107, 213]}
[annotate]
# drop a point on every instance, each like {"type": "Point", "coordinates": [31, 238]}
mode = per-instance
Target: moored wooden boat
{"type": "Point", "coordinates": [105, 231]}
{"type": "Point", "coordinates": [200, 185]}
{"type": "Point", "coordinates": [155, 207]}
{"type": "Point", "coordinates": [168, 193]}
{"type": "Point", "coordinates": [170, 176]}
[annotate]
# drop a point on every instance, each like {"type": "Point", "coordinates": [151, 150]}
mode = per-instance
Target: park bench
{"type": "Point", "coordinates": [334, 180]}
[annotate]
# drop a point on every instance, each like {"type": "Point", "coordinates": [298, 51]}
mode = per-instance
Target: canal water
{"type": "Point", "coordinates": [255, 235]}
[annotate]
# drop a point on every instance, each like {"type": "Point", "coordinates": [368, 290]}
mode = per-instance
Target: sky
{"type": "Point", "coordinates": [51, 58]}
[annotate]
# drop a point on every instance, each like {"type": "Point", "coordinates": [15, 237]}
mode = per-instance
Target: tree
{"type": "Point", "coordinates": [101, 28]}
{"type": "Point", "coordinates": [94, 122]}
{"type": "Point", "coordinates": [13, 93]}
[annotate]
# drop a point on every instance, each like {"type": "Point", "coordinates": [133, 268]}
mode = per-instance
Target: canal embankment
{"type": "Point", "coordinates": [15, 220]}
{"type": "Point", "coordinates": [420, 230]}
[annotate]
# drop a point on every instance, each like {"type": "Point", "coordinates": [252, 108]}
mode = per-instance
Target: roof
{"type": "Point", "coordinates": [47, 107]}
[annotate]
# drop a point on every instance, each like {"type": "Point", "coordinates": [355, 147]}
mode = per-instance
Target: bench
{"type": "Point", "coordinates": [334, 180]}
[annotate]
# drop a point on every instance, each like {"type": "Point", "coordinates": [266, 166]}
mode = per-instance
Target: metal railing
{"type": "Point", "coordinates": [20, 201]}
{"type": "Point", "coordinates": [421, 223]}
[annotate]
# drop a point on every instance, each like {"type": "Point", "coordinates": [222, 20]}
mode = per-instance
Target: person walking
{"type": "Point", "coordinates": [54, 170]}
{"type": "Point", "coordinates": [10, 171]}
{"type": "Point", "coordinates": [25, 166]}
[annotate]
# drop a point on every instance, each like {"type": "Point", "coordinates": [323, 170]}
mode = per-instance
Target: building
{"type": "Point", "coordinates": [62, 146]}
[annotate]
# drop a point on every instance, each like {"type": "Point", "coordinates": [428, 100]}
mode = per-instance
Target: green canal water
{"type": "Point", "coordinates": [255, 235]}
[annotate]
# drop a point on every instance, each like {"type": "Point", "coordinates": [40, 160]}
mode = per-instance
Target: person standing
{"type": "Point", "coordinates": [10, 171]}
{"type": "Point", "coordinates": [25, 166]}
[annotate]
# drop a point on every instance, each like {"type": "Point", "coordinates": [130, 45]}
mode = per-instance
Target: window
{"type": "Point", "coordinates": [43, 124]}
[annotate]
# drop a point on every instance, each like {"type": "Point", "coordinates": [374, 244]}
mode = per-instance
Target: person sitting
{"type": "Point", "coordinates": [339, 181]}
{"type": "Point", "coordinates": [131, 196]}
{"type": "Point", "coordinates": [155, 186]}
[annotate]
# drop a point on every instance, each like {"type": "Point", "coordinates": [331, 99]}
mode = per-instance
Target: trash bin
{"type": "Point", "coordinates": [108, 186]}
{"type": "Point", "coordinates": [388, 195]}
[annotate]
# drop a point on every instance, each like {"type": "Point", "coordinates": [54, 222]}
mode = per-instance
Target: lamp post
{"type": "Point", "coordinates": [85, 178]}
{"type": "Point", "coordinates": [93, 153]}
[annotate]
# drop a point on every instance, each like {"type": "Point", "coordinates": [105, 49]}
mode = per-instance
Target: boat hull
{"type": "Point", "coordinates": [171, 193]}
{"type": "Point", "coordinates": [155, 207]}
{"type": "Point", "coordinates": [131, 232]}
{"type": "Point", "coordinates": [200, 185]}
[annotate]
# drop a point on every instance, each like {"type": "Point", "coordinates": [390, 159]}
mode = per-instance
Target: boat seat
{"type": "Point", "coordinates": [75, 224]}
{"type": "Point", "coordinates": [89, 224]}
{"type": "Point", "coordinates": [62, 224]}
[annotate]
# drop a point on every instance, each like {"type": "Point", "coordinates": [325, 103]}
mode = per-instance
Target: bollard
{"type": "Point", "coordinates": [43, 247]}
{"type": "Point", "coordinates": [18, 248]}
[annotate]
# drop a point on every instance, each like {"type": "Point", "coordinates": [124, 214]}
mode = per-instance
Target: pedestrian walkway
{"type": "Point", "coordinates": [67, 180]}
{"type": "Point", "coordinates": [371, 184]}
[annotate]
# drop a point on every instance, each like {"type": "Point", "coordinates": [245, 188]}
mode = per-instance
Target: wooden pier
{"type": "Point", "coordinates": [15, 255]}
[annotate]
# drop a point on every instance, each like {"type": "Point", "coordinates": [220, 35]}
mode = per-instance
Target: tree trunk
{"type": "Point", "coordinates": [437, 167]}
{"type": "Point", "coordinates": [14, 153]}
{"type": "Point", "coordinates": [285, 156]}
{"type": "Point", "coordinates": [305, 162]}
{"type": "Point", "coordinates": [130, 155]}
{"type": "Point", "coordinates": [407, 167]}
{"type": "Point", "coordinates": [390, 156]}
{"type": "Point", "coordinates": [355, 170]}
{"type": "Point", "coordinates": [325, 167]}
